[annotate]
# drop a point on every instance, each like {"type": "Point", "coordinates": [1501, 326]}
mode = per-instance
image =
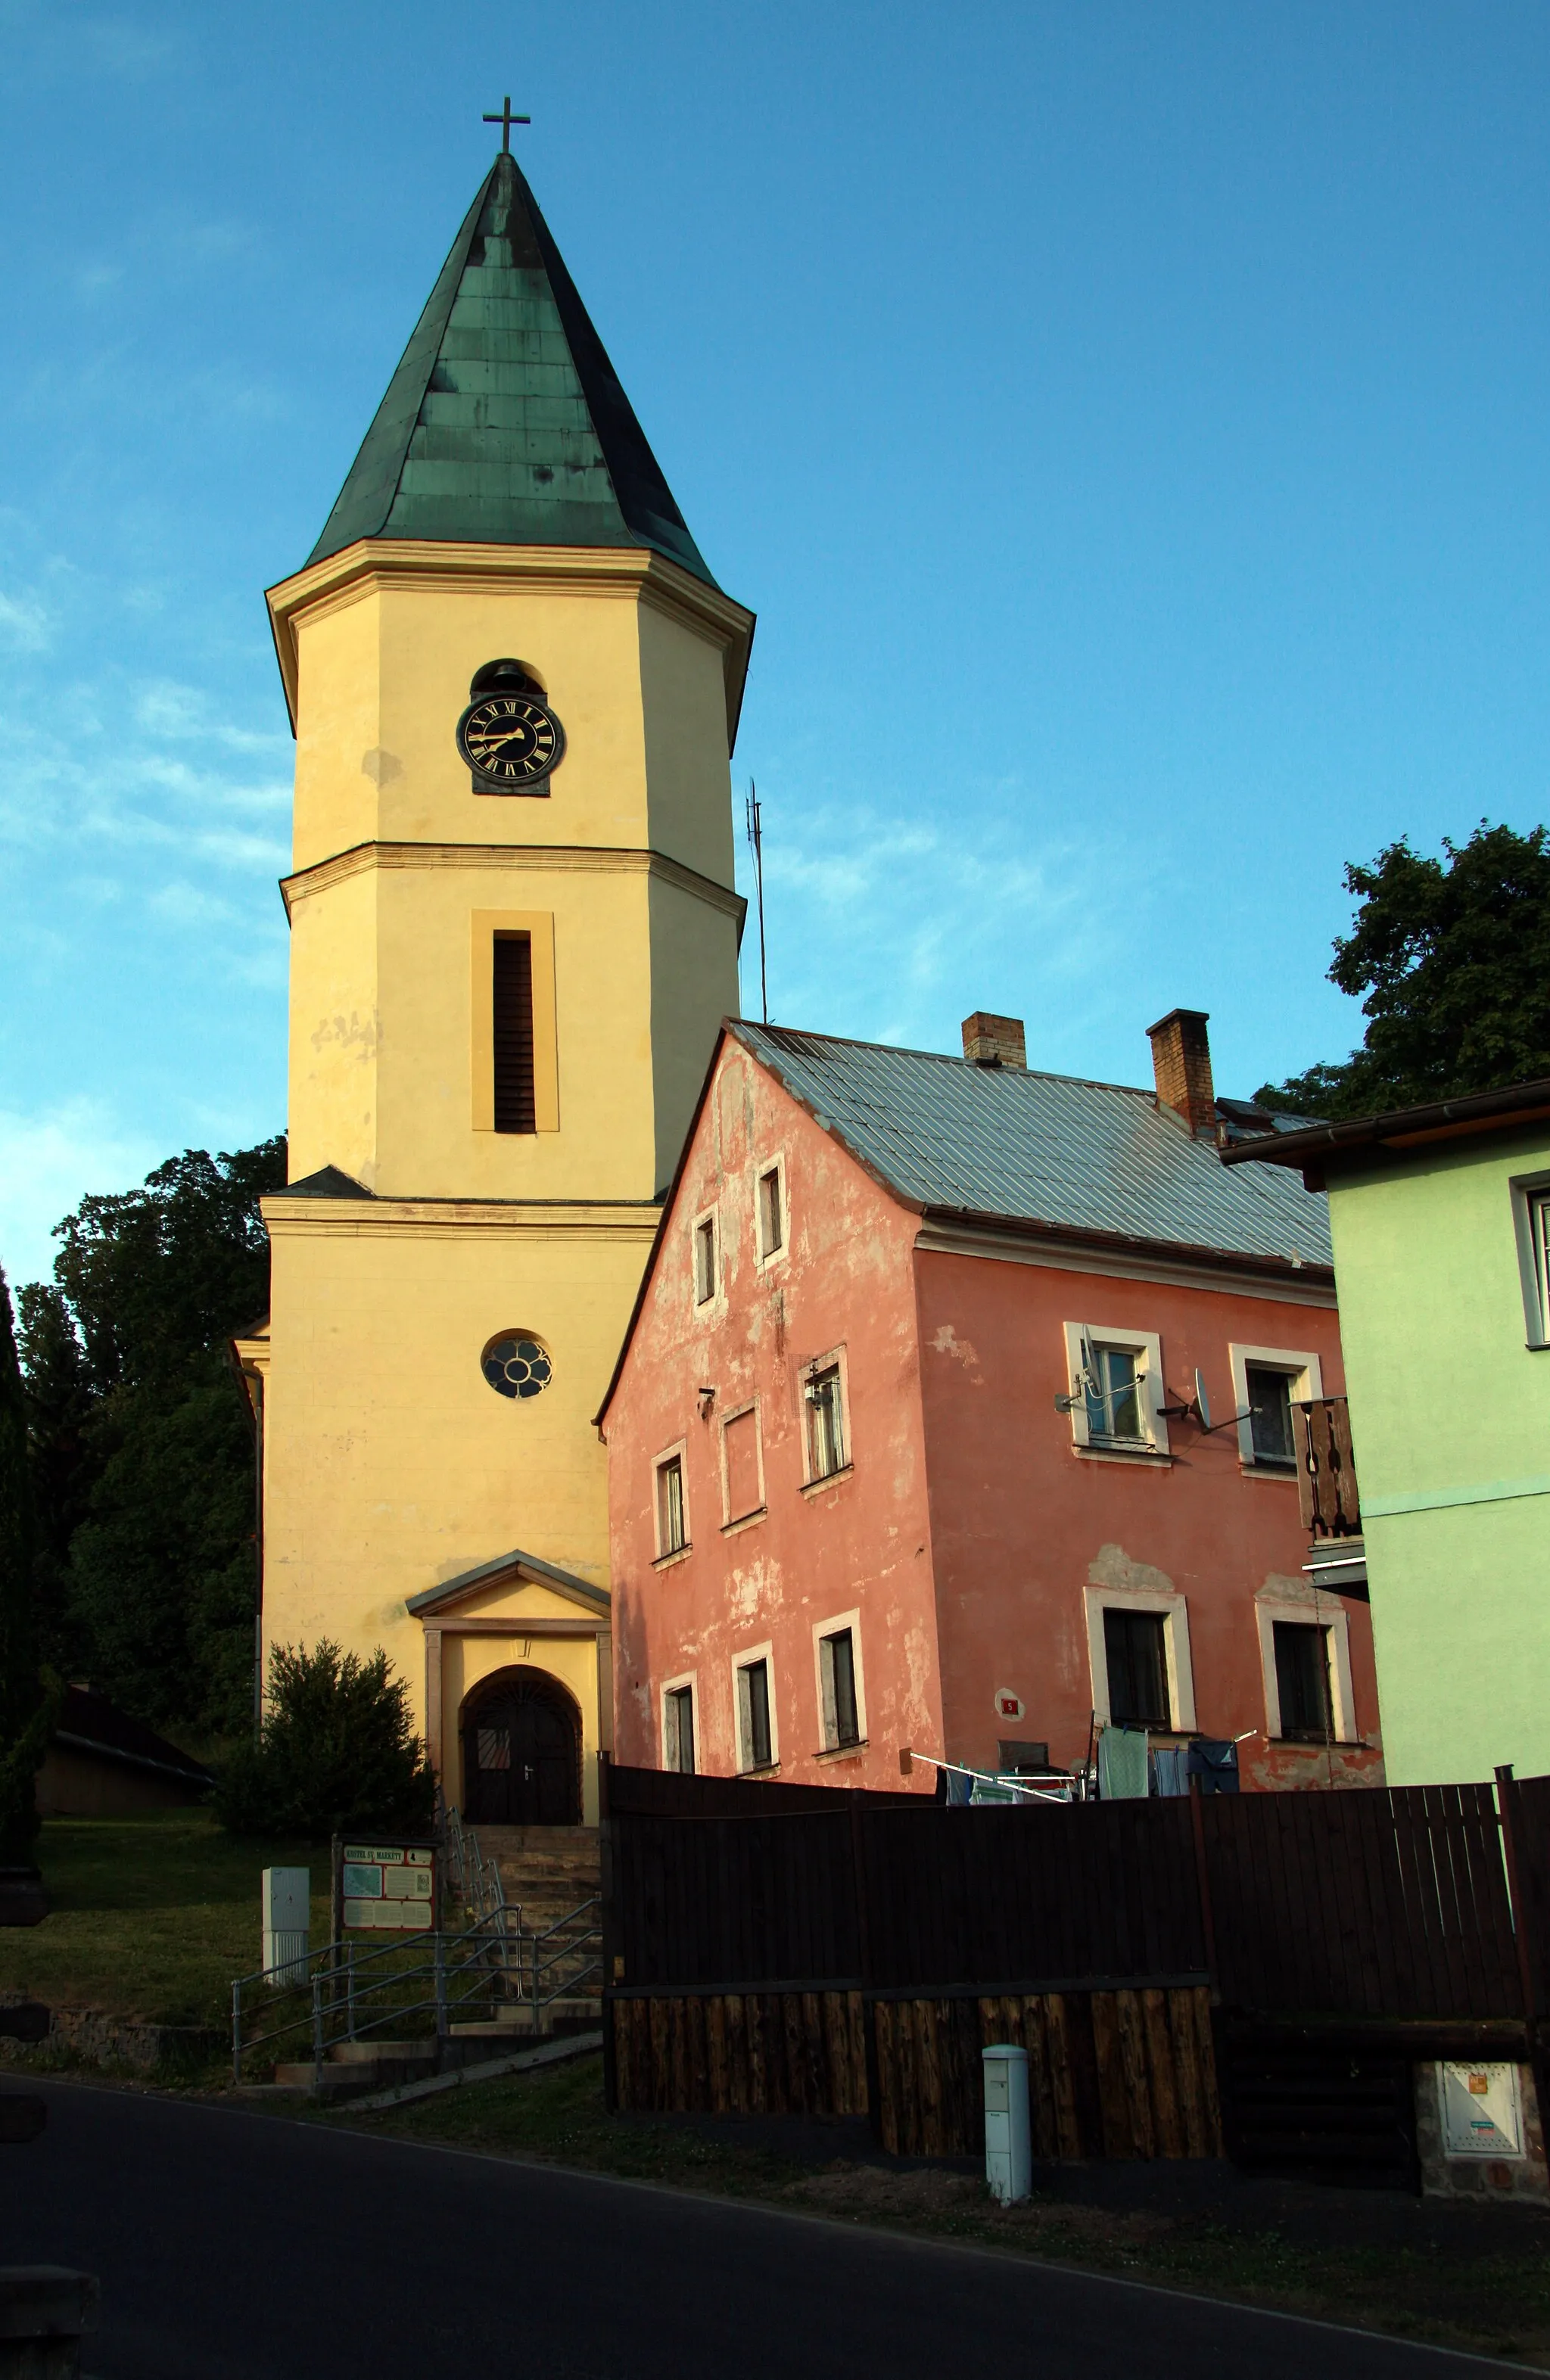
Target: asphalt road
{"type": "Point", "coordinates": [237, 2246]}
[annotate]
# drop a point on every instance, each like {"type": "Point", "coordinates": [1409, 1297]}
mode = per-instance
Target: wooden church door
{"type": "Point", "coordinates": [521, 1753]}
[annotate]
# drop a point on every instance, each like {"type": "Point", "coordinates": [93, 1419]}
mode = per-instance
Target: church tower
{"type": "Point", "coordinates": [514, 685]}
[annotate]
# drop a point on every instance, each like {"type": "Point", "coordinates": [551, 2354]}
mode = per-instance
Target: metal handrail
{"type": "Point", "coordinates": [336, 1985]}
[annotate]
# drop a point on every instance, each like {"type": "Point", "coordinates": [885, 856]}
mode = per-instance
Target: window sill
{"type": "Point", "coordinates": [833, 1752]}
{"type": "Point", "coordinates": [678, 1554]}
{"type": "Point", "coordinates": [770, 1769]}
{"type": "Point", "coordinates": [1286, 1473]}
{"type": "Point", "coordinates": [829, 1479]}
{"type": "Point", "coordinates": [1152, 1457]}
{"type": "Point", "coordinates": [1317, 1743]}
{"type": "Point", "coordinates": [744, 1521]}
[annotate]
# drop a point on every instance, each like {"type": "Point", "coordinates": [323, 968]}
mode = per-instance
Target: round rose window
{"type": "Point", "coordinates": [517, 1366]}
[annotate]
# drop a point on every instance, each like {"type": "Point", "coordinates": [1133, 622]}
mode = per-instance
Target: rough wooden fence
{"type": "Point", "coordinates": [741, 2053]}
{"type": "Point", "coordinates": [1110, 2075]}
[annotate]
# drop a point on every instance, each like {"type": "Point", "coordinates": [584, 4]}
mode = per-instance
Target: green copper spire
{"type": "Point", "coordinates": [504, 423]}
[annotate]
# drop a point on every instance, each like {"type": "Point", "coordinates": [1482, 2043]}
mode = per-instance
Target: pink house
{"type": "Point", "coordinates": [906, 1455]}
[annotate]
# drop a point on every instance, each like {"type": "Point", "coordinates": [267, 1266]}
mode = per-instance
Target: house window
{"type": "Point", "coordinates": [742, 1489]}
{"type": "Point", "coordinates": [772, 1213]}
{"type": "Point", "coordinates": [1135, 1647]}
{"type": "Point", "coordinates": [755, 1735]}
{"type": "Point", "coordinates": [704, 1260]}
{"type": "Point", "coordinates": [1266, 1384]}
{"type": "Point", "coordinates": [826, 1423]}
{"type": "Point", "coordinates": [671, 1535]}
{"type": "Point", "coordinates": [1270, 1422]}
{"type": "Point", "coordinates": [1302, 1681]}
{"type": "Point", "coordinates": [1531, 1218]}
{"type": "Point", "coordinates": [1114, 1383]}
{"type": "Point", "coordinates": [677, 1729]}
{"type": "Point", "coordinates": [1113, 1390]}
{"type": "Point", "coordinates": [512, 1044]}
{"type": "Point", "coordinates": [836, 1661]}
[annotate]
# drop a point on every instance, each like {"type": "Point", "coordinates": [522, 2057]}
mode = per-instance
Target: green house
{"type": "Point", "coordinates": [1441, 1224]}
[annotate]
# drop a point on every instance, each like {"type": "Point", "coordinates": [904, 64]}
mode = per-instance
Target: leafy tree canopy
{"type": "Point", "coordinates": [141, 1456]}
{"type": "Point", "coordinates": [27, 1706]}
{"type": "Point", "coordinates": [1454, 960]}
{"type": "Point", "coordinates": [337, 1752]}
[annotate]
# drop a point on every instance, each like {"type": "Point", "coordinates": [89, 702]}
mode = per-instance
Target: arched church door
{"type": "Point", "coordinates": [522, 1752]}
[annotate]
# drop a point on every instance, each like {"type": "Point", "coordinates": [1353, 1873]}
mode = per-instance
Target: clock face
{"type": "Point", "coordinates": [510, 742]}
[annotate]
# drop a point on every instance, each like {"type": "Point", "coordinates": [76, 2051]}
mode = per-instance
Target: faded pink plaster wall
{"type": "Point", "coordinates": [845, 1283]}
{"type": "Point", "coordinates": [1021, 1522]}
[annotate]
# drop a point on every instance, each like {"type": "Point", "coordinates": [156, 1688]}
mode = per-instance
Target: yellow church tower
{"type": "Point", "coordinates": [514, 685]}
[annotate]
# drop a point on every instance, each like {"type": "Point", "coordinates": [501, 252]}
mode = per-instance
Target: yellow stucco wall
{"type": "Point", "coordinates": [390, 1464]}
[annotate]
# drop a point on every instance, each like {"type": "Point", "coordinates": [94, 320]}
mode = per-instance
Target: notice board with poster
{"type": "Point", "coordinates": [385, 1888]}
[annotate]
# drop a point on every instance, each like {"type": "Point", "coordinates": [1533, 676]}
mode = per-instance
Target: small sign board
{"type": "Point", "coordinates": [1483, 2112]}
{"type": "Point", "coordinates": [385, 1887]}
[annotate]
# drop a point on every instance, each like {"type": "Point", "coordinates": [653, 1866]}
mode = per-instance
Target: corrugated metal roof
{"type": "Point", "coordinates": [506, 423]}
{"type": "Point", "coordinates": [1049, 1149]}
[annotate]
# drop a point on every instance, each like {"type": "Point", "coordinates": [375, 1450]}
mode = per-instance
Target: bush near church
{"type": "Point", "coordinates": [336, 1752]}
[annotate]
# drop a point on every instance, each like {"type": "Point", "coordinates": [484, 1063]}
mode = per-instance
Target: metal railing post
{"type": "Point", "coordinates": [441, 1986]}
{"type": "Point", "coordinates": [236, 2033]}
{"type": "Point", "coordinates": [349, 1987]}
{"type": "Point", "coordinates": [317, 2028]}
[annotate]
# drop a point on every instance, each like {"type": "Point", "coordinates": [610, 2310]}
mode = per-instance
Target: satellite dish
{"type": "Point", "coordinates": [1203, 1403]}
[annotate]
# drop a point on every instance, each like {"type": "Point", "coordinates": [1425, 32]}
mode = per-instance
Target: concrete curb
{"type": "Point", "coordinates": [549, 2053]}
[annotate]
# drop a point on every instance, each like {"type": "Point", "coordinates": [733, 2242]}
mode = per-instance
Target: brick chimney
{"type": "Point", "coordinates": [1181, 1063]}
{"type": "Point", "coordinates": [994, 1041]}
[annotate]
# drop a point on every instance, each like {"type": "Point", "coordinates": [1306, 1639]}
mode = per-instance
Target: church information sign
{"type": "Point", "coordinates": [387, 1888]}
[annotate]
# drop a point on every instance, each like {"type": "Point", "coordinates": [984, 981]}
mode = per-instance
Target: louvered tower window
{"type": "Point", "coordinates": [513, 1034]}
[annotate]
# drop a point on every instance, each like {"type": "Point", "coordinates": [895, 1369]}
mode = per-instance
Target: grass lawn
{"type": "Point", "coordinates": [148, 1917]}
{"type": "Point", "coordinates": [1478, 2284]}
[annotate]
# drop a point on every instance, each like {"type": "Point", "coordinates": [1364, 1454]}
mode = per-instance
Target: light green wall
{"type": "Point", "coordinates": [1450, 1416]}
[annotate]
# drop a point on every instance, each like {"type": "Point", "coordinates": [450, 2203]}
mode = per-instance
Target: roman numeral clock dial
{"type": "Point", "coordinates": [508, 735]}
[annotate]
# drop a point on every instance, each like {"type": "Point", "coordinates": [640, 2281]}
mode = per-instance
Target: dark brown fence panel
{"type": "Point", "coordinates": [1363, 1903]}
{"type": "Point", "coordinates": [1528, 1803]}
{"type": "Point", "coordinates": [1006, 1897]}
{"type": "Point", "coordinates": [734, 1903]}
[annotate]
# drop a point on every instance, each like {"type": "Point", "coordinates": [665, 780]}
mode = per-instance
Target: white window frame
{"type": "Point", "coordinates": [746, 1660]}
{"type": "Point", "coordinates": [1531, 1223]}
{"type": "Point", "coordinates": [1299, 1365]}
{"type": "Point", "coordinates": [711, 1304]}
{"type": "Point", "coordinates": [690, 1682]}
{"type": "Point", "coordinates": [1176, 1643]}
{"type": "Point", "coordinates": [1301, 1602]}
{"type": "Point", "coordinates": [678, 1453]}
{"type": "Point", "coordinates": [834, 1627]}
{"type": "Point", "coordinates": [834, 1361]}
{"type": "Point", "coordinates": [730, 1520]}
{"type": "Point", "coordinates": [1147, 1347]}
{"type": "Point", "coordinates": [765, 1257]}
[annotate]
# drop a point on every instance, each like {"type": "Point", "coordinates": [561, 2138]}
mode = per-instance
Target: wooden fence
{"type": "Point", "coordinates": [794, 1950]}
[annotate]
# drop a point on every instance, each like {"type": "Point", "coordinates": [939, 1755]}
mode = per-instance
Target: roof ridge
{"type": "Point", "coordinates": [946, 1058]}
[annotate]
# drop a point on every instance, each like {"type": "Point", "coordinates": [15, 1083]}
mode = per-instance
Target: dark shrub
{"type": "Point", "coordinates": [337, 1754]}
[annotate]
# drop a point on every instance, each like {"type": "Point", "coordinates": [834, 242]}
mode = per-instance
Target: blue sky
{"type": "Point", "coordinates": [1127, 421]}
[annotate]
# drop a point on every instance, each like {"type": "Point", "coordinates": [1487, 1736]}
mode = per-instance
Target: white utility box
{"type": "Point", "coordinates": [287, 1896]}
{"type": "Point", "coordinates": [1009, 2155]}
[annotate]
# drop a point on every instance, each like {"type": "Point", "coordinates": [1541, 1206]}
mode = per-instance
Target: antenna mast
{"type": "Point", "coordinates": [754, 814]}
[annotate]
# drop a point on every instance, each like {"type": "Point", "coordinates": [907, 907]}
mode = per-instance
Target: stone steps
{"type": "Point", "coordinates": [547, 1871]}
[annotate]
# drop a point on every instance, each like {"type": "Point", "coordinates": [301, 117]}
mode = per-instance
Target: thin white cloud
{"type": "Point", "coordinates": [25, 624]}
{"type": "Point", "coordinates": [48, 1162]}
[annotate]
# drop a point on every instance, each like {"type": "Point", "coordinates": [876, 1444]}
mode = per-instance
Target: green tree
{"type": "Point", "coordinates": [27, 1704]}
{"type": "Point", "coordinates": [141, 1451]}
{"type": "Point", "coordinates": [336, 1752]}
{"type": "Point", "coordinates": [1454, 961]}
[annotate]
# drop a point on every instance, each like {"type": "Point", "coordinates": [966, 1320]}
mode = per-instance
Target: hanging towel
{"type": "Point", "coordinates": [1167, 1770]}
{"type": "Point", "coordinates": [1122, 1765]}
{"type": "Point", "coordinates": [959, 1789]}
{"type": "Point", "coordinates": [1215, 1764]}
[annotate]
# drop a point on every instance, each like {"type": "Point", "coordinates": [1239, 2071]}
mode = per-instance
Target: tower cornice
{"type": "Point", "coordinates": [630, 573]}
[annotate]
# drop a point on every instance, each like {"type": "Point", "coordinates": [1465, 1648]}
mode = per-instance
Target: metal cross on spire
{"type": "Point", "coordinates": [505, 120]}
